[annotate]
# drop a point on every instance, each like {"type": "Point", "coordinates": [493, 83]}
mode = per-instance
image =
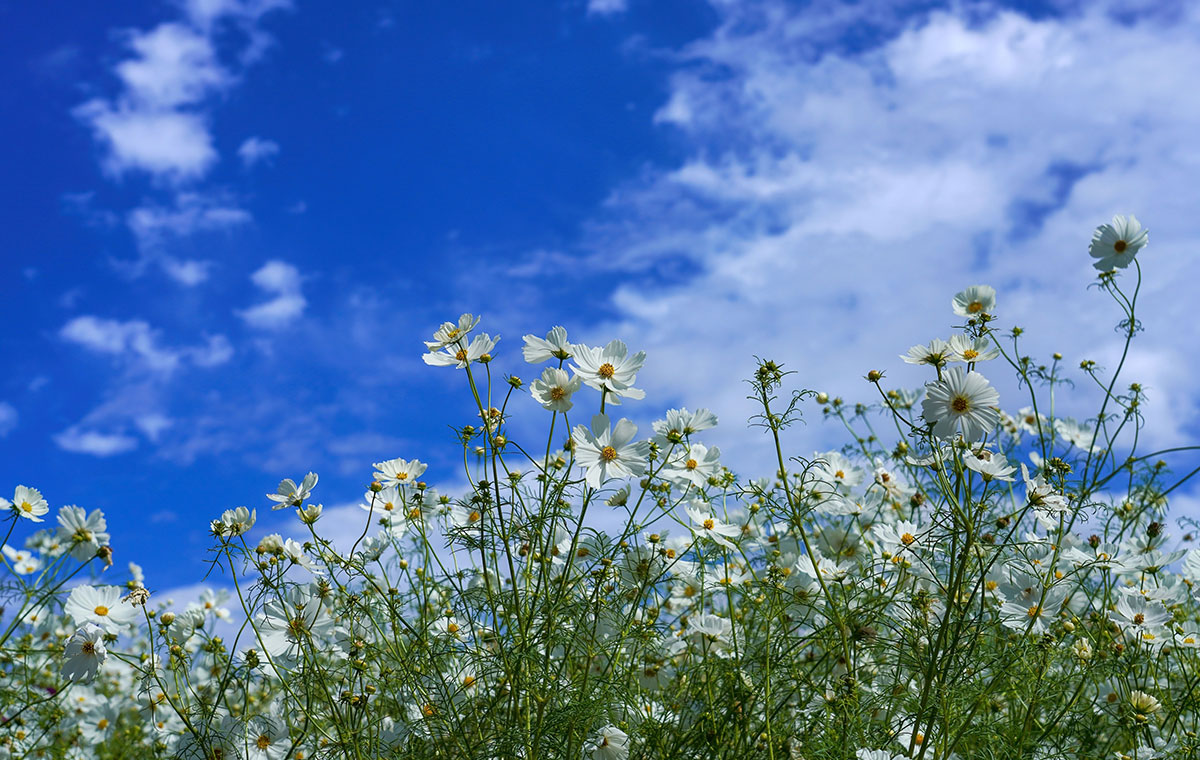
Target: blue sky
{"type": "Point", "coordinates": [229, 223]}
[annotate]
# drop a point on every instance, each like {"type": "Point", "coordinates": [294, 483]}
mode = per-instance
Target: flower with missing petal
{"type": "Point", "coordinates": [961, 401]}
{"type": "Point", "coordinates": [1114, 245]}
{"type": "Point", "coordinates": [607, 452]}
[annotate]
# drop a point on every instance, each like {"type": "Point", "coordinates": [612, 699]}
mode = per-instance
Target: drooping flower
{"type": "Point", "coordinates": [961, 401]}
{"type": "Point", "coordinates": [1041, 495]}
{"type": "Point", "coordinates": [975, 300]}
{"type": "Point", "coordinates": [553, 346]}
{"type": "Point", "coordinates": [84, 654]}
{"type": "Point", "coordinates": [609, 452]}
{"type": "Point", "coordinates": [610, 369]}
{"type": "Point", "coordinates": [1114, 245]}
{"type": "Point", "coordinates": [554, 388]}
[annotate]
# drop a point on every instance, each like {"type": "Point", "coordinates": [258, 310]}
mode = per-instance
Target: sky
{"type": "Point", "coordinates": [230, 223]}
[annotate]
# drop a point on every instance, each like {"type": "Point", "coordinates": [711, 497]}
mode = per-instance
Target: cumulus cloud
{"type": "Point", "coordinates": [8, 418]}
{"type": "Point", "coordinates": [283, 281]}
{"type": "Point", "coordinates": [157, 124]}
{"type": "Point", "coordinates": [254, 150]}
{"type": "Point", "coordinates": [833, 196]}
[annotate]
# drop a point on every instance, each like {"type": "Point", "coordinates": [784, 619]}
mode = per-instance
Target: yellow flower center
{"type": "Point", "coordinates": [918, 738]}
{"type": "Point", "coordinates": [970, 354]}
{"type": "Point", "coordinates": [452, 628]}
{"type": "Point", "coordinates": [975, 307]}
{"type": "Point", "coordinates": [263, 742]}
{"type": "Point", "coordinates": [389, 506]}
{"type": "Point", "coordinates": [608, 453]}
{"type": "Point", "coordinates": [606, 370]}
{"type": "Point", "coordinates": [473, 517]}
{"type": "Point", "coordinates": [839, 474]}
{"type": "Point", "coordinates": [461, 355]}
{"type": "Point", "coordinates": [402, 476]}
{"type": "Point", "coordinates": [468, 681]}
{"type": "Point", "coordinates": [692, 464]}
{"type": "Point", "coordinates": [708, 524]}
{"type": "Point", "coordinates": [101, 610]}
{"type": "Point", "coordinates": [88, 647]}
{"type": "Point", "coordinates": [557, 393]}
{"type": "Point", "coordinates": [1034, 611]}
{"type": "Point", "coordinates": [960, 404]}
{"type": "Point", "coordinates": [1189, 640]}
{"type": "Point", "coordinates": [1139, 618]}
{"type": "Point", "coordinates": [26, 506]}
{"type": "Point", "coordinates": [102, 724]}
{"type": "Point", "coordinates": [907, 539]}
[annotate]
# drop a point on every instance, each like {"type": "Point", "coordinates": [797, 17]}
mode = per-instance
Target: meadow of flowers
{"type": "Point", "coordinates": [968, 577]}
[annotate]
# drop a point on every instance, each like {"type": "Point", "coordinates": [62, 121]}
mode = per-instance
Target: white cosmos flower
{"type": "Point", "coordinates": [84, 654]}
{"type": "Point", "coordinates": [611, 743]}
{"type": "Point", "coordinates": [708, 526]}
{"type": "Point", "coordinates": [975, 300]}
{"type": "Point", "coordinates": [291, 495]}
{"type": "Point", "coordinates": [680, 423]}
{"type": "Point", "coordinates": [1114, 245]}
{"type": "Point", "coordinates": [610, 368]}
{"type": "Point", "coordinates": [554, 388]}
{"type": "Point", "coordinates": [1042, 496]}
{"type": "Point", "coordinates": [450, 332]}
{"type": "Point", "coordinates": [696, 465]}
{"type": "Point", "coordinates": [554, 346]}
{"type": "Point", "coordinates": [85, 533]}
{"type": "Point", "coordinates": [937, 353]}
{"type": "Point", "coordinates": [961, 401]}
{"type": "Point", "coordinates": [399, 472]}
{"type": "Point", "coordinates": [480, 349]}
{"type": "Point", "coordinates": [100, 605]}
{"type": "Point", "coordinates": [964, 348]}
{"type": "Point", "coordinates": [609, 452]}
{"type": "Point", "coordinates": [28, 503]}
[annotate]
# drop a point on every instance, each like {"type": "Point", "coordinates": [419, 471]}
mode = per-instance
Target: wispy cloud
{"type": "Point", "coordinates": [156, 226]}
{"type": "Point", "coordinates": [606, 7]}
{"type": "Point", "coordinates": [283, 282]}
{"type": "Point", "coordinates": [834, 195]}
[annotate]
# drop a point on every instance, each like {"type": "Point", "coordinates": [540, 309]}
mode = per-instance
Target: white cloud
{"type": "Point", "coordinates": [158, 228]}
{"type": "Point", "coordinates": [131, 338]}
{"type": "Point", "coordinates": [171, 145]}
{"type": "Point", "coordinates": [152, 425]}
{"type": "Point", "coordinates": [8, 418]}
{"type": "Point", "coordinates": [284, 281]}
{"type": "Point", "coordinates": [256, 149]}
{"type": "Point", "coordinates": [137, 341]}
{"type": "Point", "coordinates": [157, 123]}
{"type": "Point", "coordinates": [606, 7]}
{"type": "Point", "coordinates": [833, 200]}
{"type": "Point", "coordinates": [97, 444]}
